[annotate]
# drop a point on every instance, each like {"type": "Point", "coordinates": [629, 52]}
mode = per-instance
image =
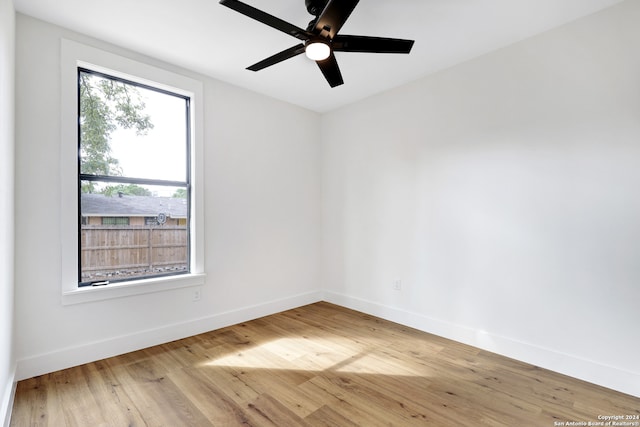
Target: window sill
{"type": "Point", "coordinates": [137, 287]}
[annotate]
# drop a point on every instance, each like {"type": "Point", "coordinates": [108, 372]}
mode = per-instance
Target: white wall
{"type": "Point", "coordinates": [7, 62]}
{"type": "Point", "coordinates": [262, 218]}
{"type": "Point", "coordinates": [7, 360]}
{"type": "Point", "coordinates": [503, 193]}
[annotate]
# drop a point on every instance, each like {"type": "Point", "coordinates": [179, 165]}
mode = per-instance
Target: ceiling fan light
{"type": "Point", "coordinates": [317, 51]}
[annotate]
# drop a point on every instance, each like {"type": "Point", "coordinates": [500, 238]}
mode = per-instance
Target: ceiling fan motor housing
{"type": "Point", "coordinates": [315, 7]}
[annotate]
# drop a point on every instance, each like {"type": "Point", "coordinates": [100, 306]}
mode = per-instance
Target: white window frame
{"type": "Point", "coordinates": [74, 55]}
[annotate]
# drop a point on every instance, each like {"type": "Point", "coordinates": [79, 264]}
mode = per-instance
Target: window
{"type": "Point", "coordinates": [110, 220]}
{"type": "Point", "coordinates": [131, 180]}
{"type": "Point", "coordinates": [133, 162]}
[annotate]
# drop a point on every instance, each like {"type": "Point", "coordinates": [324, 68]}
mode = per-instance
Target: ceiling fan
{"type": "Point", "coordinates": [321, 38]}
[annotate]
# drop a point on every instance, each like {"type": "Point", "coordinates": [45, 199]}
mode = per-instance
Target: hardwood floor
{"type": "Point", "coordinates": [318, 365]}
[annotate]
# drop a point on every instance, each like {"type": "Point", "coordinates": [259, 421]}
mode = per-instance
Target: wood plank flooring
{"type": "Point", "coordinates": [318, 365]}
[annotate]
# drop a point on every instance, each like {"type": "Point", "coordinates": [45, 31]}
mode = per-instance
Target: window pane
{"type": "Point", "coordinates": [130, 231]}
{"type": "Point", "coordinates": [115, 220]}
{"type": "Point", "coordinates": [128, 130]}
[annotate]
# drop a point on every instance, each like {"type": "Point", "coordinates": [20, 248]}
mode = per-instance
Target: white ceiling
{"type": "Point", "coordinates": [209, 38]}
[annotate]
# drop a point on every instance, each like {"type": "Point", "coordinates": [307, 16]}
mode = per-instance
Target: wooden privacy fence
{"type": "Point", "coordinates": [110, 252]}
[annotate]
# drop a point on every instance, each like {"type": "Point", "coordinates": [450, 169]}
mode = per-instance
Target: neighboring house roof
{"type": "Point", "coordinates": [124, 205]}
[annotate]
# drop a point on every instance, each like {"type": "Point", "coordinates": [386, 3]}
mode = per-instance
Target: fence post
{"type": "Point", "coordinates": [150, 249]}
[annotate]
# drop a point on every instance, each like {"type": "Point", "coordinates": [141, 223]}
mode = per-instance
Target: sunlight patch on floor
{"type": "Point", "coordinates": [318, 355]}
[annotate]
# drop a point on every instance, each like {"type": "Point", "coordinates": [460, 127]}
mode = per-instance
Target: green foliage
{"type": "Point", "coordinates": [181, 193]}
{"type": "Point", "coordinates": [106, 105]}
{"type": "Point", "coordinates": [128, 189]}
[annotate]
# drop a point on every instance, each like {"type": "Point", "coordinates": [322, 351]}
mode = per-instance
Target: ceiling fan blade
{"type": "Point", "coordinates": [333, 17]}
{"type": "Point", "coordinates": [267, 19]}
{"type": "Point", "coordinates": [371, 44]}
{"type": "Point", "coordinates": [278, 57]}
{"type": "Point", "coordinates": [331, 71]}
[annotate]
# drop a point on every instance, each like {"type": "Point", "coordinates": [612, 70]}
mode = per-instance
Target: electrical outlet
{"type": "Point", "coordinates": [197, 295]}
{"type": "Point", "coordinates": [397, 284]}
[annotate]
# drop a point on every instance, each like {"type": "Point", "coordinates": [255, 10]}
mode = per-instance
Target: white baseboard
{"type": "Point", "coordinates": [8, 395]}
{"type": "Point", "coordinates": [97, 350]}
{"type": "Point", "coordinates": [576, 367]}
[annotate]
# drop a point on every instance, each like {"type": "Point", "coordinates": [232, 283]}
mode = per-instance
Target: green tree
{"type": "Point", "coordinates": [128, 189]}
{"type": "Point", "coordinates": [105, 105]}
{"type": "Point", "coordinates": [181, 193]}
